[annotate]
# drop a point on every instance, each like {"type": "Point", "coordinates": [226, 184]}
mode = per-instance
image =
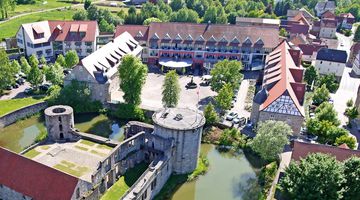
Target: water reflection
{"type": "Point", "coordinates": [227, 177]}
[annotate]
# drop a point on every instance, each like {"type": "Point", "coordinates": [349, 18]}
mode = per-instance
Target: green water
{"type": "Point", "coordinates": [230, 177]}
{"type": "Point", "coordinates": [22, 134]}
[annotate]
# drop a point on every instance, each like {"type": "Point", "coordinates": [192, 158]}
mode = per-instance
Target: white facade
{"type": "Point", "coordinates": [326, 32]}
{"type": "Point", "coordinates": [356, 65]}
{"type": "Point", "coordinates": [329, 67]}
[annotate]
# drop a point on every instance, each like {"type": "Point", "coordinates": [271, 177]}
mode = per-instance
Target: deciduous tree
{"type": "Point", "coordinates": [132, 74]}
{"type": "Point", "coordinates": [6, 73]}
{"type": "Point", "coordinates": [150, 20]}
{"type": "Point", "coordinates": [330, 81]}
{"type": "Point", "coordinates": [71, 59]}
{"type": "Point", "coordinates": [352, 177]}
{"type": "Point", "coordinates": [43, 60]}
{"type": "Point", "coordinates": [327, 112]}
{"type": "Point", "coordinates": [210, 114]}
{"type": "Point", "coordinates": [271, 137]}
{"type": "Point", "coordinates": [346, 139]}
{"type": "Point", "coordinates": [226, 72]}
{"type": "Point", "coordinates": [15, 67]}
{"type": "Point", "coordinates": [311, 75]}
{"type": "Point", "coordinates": [224, 97]}
{"type": "Point", "coordinates": [321, 94]}
{"type": "Point", "coordinates": [25, 67]}
{"type": "Point", "coordinates": [80, 15]}
{"type": "Point", "coordinates": [54, 74]}
{"type": "Point", "coordinates": [171, 89]}
{"type": "Point", "coordinates": [61, 60]}
{"type": "Point", "coordinates": [33, 61]}
{"type": "Point", "coordinates": [35, 77]}
{"type": "Point", "coordinates": [318, 176]}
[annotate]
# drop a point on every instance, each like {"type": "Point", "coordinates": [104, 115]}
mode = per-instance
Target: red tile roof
{"type": "Point", "coordinates": [283, 77]}
{"type": "Point", "coordinates": [89, 27]}
{"type": "Point", "coordinates": [309, 49]}
{"type": "Point", "coordinates": [328, 23]}
{"type": "Point", "coordinates": [301, 19]}
{"type": "Point", "coordinates": [328, 15]}
{"type": "Point", "coordinates": [347, 15]}
{"type": "Point", "coordinates": [34, 179]}
{"type": "Point", "coordinates": [268, 35]}
{"type": "Point", "coordinates": [302, 149]}
{"type": "Point", "coordinates": [134, 30]}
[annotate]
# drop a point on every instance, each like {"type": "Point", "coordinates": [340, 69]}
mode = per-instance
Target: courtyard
{"type": "Point", "coordinates": [79, 159]}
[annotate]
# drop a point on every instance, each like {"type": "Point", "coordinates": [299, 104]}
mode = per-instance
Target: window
{"type": "Point", "coordinates": [78, 44]}
{"type": "Point", "coordinates": [59, 119]}
{"type": "Point", "coordinates": [88, 43]}
{"type": "Point", "coordinates": [20, 41]}
{"type": "Point", "coordinates": [77, 193]}
{"type": "Point", "coordinates": [60, 127]}
{"type": "Point", "coordinates": [321, 62]}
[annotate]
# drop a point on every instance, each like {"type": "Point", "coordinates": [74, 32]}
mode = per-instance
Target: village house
{"type": "Point", "coordinates": [282, 94]}
{"type": "Point", "coordinates": [346, 20]}
{"type": "Point", "coordinates": [354, 51]}
{"type": "Point", "coordinates": [99, 69]}
{"type": "Point", "coordinates": [292, 13]}
{"type": "Point", "coordinates": [331, 61]}
{"type": "Point", "coordinates": [328, 28]}
{"type": "Point", "coordinates": [257, 22]}
{"type": "Point", "coordinates": [202, 45]}
{"type": "Point", "coordinates": [356, 65]}
{"type": "Point", "coordinates": [296, 25]}
{"type": "Point", "coordinates": [310, 51]}
{"type": "Point", "coordinates": [324, 6]}
{"type": "Point", "coordinates": [51, 38]}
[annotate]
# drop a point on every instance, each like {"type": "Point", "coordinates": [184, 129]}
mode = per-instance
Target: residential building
{"type": "Point", "coordinates": [328, 15]}
{"type": "Point", "coordinates": [23, 178]}
{"type": "Point", "coordinates": [51, 38]}
{"type": "Point", "coordinates": [346, 20]}
{"type": "Point", "coordinates": [354, 51]}
{"type": "Point", "coordinates": [331, 61]}
{"type": "Point", "coordinates": [202, 45]}
{"type": "Point", "coordinates": [302, 149]}
{"type": "Point", "coordinates": [324, 6]}
{"type": "Point", "coordinates": [257, 22]}
{"type": "Point", "coordinates": [296, 25]}
{"type": "Point", "coordinates": [309, 51]}
{"type": "Point", "coordinates": [99, 69]}
{"type": "Point", "coordinates": [282, 94]}
{"type": "Point", "coordinates": [356, 65]}
{"type": "Point", "coordinates": [292, 13]}
{"type": "Point", "coordinates": [328, 28]}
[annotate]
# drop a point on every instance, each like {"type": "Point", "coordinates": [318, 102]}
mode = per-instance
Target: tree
{"type": "Point", "coordinates": [33, 61]}
{"type": "Point", "coordinates": [210, 15]}
{"type": "Point", "coordinates": [80, 15]}
{"type": "Point", "coordinates": [184, 15]}
{"type": "Point", "coordinates": [351, 113]}
{"type": "Point", "coordinates": [87, 4]}
{"type": "Point", "coordinates": [92, 12]}
{"type": "Point", "coordinates": [6, 6]}
{"type": "Point", "coordinates": [132, 73]}
{"type": "Point", "coordinates": [54, 74]}
{"type": "Point", "coordinates": [171, 90]}
{"type": "Point", "coordinates": [330, 81]}
{"type": "Point", "coordinates": [150, 20]}
{"type": "Point", "coordinates": [224, 97]}
{"type": "Point", "coordinates": [318, 176]}
{"type": "Point", "coordinates": [35, 76]}
{"type": "Point", "coordinates": [327, 112]}
{"type": "Point", "coordinates": [71, 59]}
{"type": "Point", "coordinates": [352, 177]}
{"type": "Point", "coordinates": [346, 139]}
{"type": "Point", "coordinates": [77, 95]}
{"type": "Point", "coordinates": [283, 32]}
{"type": "Point", "coordinates": [104, 26]}
{"type": "Point", "coordinates": [61, 60]}
{"type": "Point", "coordinates": [25, 67]}
{"type": "Point", "coordinates": [321, 94]}
{"type": "Point", "coordinates": [210, 114]}
{"type": "Point", "coordinates": [177, 4]}
{"type": "Point", "coordinates": [43, 60]}
{"type": "Point", "coordinates": [226, 72]}
{"type": "Point", "coordinates": [7, 73]}
{"type": "Point", "coordinates": [271, 137]}
{"type": "Point", "coordinates": [311, 75]}
{"type": "Point", "coordinates": [349, 103]}
{"type": "Point", "coordinates": [357, 35]}
{"type": "Point", "coordinates": [15, 67]}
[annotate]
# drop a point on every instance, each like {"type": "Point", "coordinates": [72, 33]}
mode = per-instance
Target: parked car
{"type": "Point", "coordinates": [331, 101]}
{"type": "Point", "coordinates": [20, 81]}
{"type": "Point", "coordinates": [15, 85]}
{"type": "Point", "coordinates": [28, 90]}
{"type": "Point", "coordinates": [66, 71]}
{"type": "Point", "coordinates": [239, 120]}
{"type": "Point", "coordinates": [312, 115]}
{"type": "Point", "coordinates": [231, 116]}
{"type": "Point", "coordinates": [44, 87]}
{"type": "Point", "coordinates": [311, 137]}
{"type": "Point", "coordinates": [9, 87]}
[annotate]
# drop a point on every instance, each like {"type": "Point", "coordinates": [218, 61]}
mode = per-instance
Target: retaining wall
{"type": "Point", "coordinates": [23, 112]}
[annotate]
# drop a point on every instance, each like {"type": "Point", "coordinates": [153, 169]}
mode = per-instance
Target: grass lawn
{"type": "Point", "coordinates": [103, 146]}
{"type": "Point", "coordinates": [87, 142]}
{"type": "Point", "coordinates": [32, 153]}
{"type": "Point", "coordinates": [97, 153]}
{"type": "Point", "coordinates": [39, 5]}
{"type": "Point", "coordinates": [81, 148]}
{"type": "Point", "coordinates": [9, 28]}
{"type": "Point", "coordinates": [10, 105]}
{"type": "Point", "coordinates": [125, 182]}
{"type": "Point", "coordinates": [71, 168]}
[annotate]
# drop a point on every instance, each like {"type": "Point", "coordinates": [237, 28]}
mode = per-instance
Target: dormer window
{"type": "Point", "coordinates": [235, 40]}
{"type": "Point", "coordinates": [212, 39]}
{"type": "Point", "coordinates": [38, 32]}
{"type": "Point", "coordinates": [200, 38]}
{"type": "Point", "coordinates": [155, 36]}
{"type": "Point", "coordinates": [259, 42]}
{"type": "Point", "coordinates": [223, 39]}
{"type": "Point", "coordinates": [139, 34]}
{"type": "Point", "coordinates": [178, 37]}
{"type": "Point", "coordinates": [167, 37]}
{"type": "Point", "coordinates": [189, 38]}
{"type": "Point", "coordinates": [247, 41]}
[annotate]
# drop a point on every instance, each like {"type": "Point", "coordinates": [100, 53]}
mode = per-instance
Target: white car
{"type": "Point", "coordinates": [231, 116]}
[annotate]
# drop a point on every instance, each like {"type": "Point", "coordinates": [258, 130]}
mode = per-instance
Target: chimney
{"type": "Point", "coordinates": [296, 55]}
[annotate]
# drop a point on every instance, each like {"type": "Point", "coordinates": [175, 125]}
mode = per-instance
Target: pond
{"type": "Point", "coordinates": [230, 177]}
{"type": "Point", "coordinates": [23, 133]}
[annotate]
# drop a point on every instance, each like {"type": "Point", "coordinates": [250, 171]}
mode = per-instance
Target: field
{"type": "Point", "coordinates": [10, 28]}
{"type": "Point", "coordinates": [39, 5]}
{"type": "Point", "coordinates": [10, 105]}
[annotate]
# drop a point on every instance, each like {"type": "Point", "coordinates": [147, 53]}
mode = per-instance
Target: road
{"type": "Point", "coordinates": [17, 92]}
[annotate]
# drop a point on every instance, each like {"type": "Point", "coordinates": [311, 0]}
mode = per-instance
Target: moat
{"type": "Point", "coordinates": [230, 173]}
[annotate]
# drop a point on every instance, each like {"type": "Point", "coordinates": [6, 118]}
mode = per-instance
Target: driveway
{"type": "Point", "coordinates": [17, 92]}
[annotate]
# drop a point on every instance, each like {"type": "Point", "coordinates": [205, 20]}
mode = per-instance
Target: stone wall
{"type": "Point", "coordinates": [134, 127]}
{"type": "Point", "coordinates": [295, 122]}
{"type": "Point", "coordinates": [21, 113]}
{"type": "Point", "coordinates": [8, 193]}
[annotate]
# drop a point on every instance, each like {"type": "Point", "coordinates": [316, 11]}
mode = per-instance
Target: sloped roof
{"type": "Point", "coordinates": [302, 149]}
{"type": "Point", "coordinates": [332, 55]}
{"type": "Point", "coordinates": [292, 13]}
{"type": "Point", "coordinates": [301, 19]}
{"type": "Point", "coordinates": [88, 28]}
{"type": "Point", "coordinates": [278, 78]}
{"type": "Point", "coordinates": [325, 5]}
{"type": "Point", "coordinates": [329, 23]}
{"type": "Point", "coordinates": [103, 63]}
{"type": "Point", "coordinates": [328, 15]}
{"type": "Point", "coordinates": [39, 27]}
{"type": "Point", "coordinates": [133, 30]}
{"type": "Point", "coordinates": [310, 49]}
{"type": "Point", "coordinates": [346, 15]}
{"type": "Point", "coordinates": [267, 34]}
{"type": "Point", "coordinates": [34, 179]}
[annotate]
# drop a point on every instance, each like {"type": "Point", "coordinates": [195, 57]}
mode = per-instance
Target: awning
{"type": "Point", "coordinates": [180, 63]}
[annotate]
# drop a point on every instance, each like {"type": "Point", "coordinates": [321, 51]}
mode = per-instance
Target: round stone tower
{"type": "Point", "coordinates": [185, 127]}
{"type": "Point", "coordinates": [59, 122]}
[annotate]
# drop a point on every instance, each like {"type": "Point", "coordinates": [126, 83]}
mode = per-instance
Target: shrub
{"type": "Point", "coordinates": [267, 175]}
{"type": "Point", "coordinates": [129, 112]}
